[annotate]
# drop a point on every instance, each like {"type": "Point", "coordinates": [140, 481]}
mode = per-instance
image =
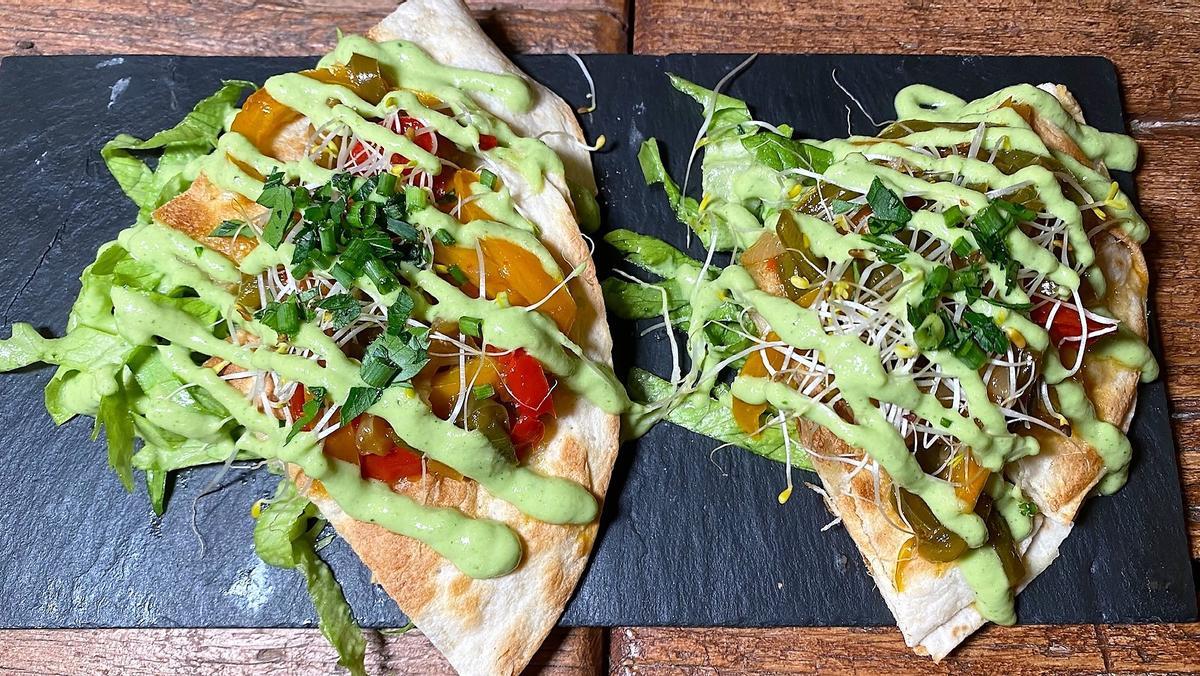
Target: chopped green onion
{"type": "Point", "coordinates": [471, 326]}
{"type": "Point", "coordinates": [328, 237]}
{"type": "Point", "coordinates": [457, 275]}
{"type": "Point", "coordinates": [444, 236]}
{"type": "Point", "coordinates": [378, 372]}
{"type": "Point", "coordinates": [487, 179]}
{"type": "Point", "coordinates": [415, 198]}
{"type": "Point", "coordinates": [386, 186]}
{"type": "Point", "coordinates": [952, 216]}
{"type": "Point", "coordinates": [962, 247]}
{"type": "Point", "coordinates": [971, 354]}
{"type": "Point", "coordinates": [342, 275]}
{"type": "Point", "coordinates": [483, 392]}
{"type": "Point", "coordinates": [380, 276]}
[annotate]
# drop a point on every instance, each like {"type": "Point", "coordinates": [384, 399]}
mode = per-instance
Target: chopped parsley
{"type": "Point", "coordinates": [343, 308]}
{"type": "Point", "coordinates": [229, 228]}
{"type": "Point", "coordinates": [889, 251]}
{"type": "Point", "coordinates": [308, 413]}
{"type": "Point", "coordinates": [358, 401]}
{"type": "Point", "coordinates": [889, 214]}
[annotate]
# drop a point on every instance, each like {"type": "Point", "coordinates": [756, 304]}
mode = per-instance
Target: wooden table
{"type": "Point", "coordinates": [1156, 46]}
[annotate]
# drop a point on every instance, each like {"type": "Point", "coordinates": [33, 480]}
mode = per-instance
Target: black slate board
{"type": "Point", "coordinates": [688, 539]}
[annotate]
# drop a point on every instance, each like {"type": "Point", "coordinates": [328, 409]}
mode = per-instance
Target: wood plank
{"type": "Point", "coordinates": [261, 27]}
{"type": "Point", "coordinates": [1170, 204]}
{"type": "Point", "coordinates": [264, 652]}
{"type": "Point", "coordinates": [1156, 45]}
{"type": "Point", "coordinates": [1029, 649]}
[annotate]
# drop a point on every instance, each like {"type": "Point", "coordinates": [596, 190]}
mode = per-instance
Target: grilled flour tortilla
{"type": "Point", "coordinates": [945, 320]}
{"type": "Point", "coordinates": [935, 606]}
{"type": "Point", "coordinates": [485, 617]}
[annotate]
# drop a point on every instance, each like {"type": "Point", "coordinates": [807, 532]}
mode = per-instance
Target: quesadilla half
{"type": "Point", "coordinates": [370, 275]}
{"type": "Point", "coordinates": [946, 320]}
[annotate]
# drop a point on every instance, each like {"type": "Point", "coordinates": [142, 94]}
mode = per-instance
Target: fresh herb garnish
{"type": "Point", "coordinates": [471, 326]}
{"type": "Point", "coordinates": [228, 228]}
{"type": "Point", "coordinates": [962, 247]}
{"type": "Point", "coordinates": [952, 216]}
{"type": "Point", "coordinates": [1029, 509]}
{"type": "Point", "coordinates": [487, 179]}
{"type": "Point", "coordinates": [991, 226]}
{"type": "Point", "coordinates": [280, 199]}
{"type": "Point", "coordinates": [343, 308]}
{"type": "Point", "coordinates": [889, 251]}
{"type": "Point", "coordinates": [457, 275]}
{"type": "Point", "coordinates": [889, 214]}
{"type": "Point", "coordinates": [283, 318]}
{"type": "Point", "coordinates": [358, 401]}
{"type": "Point", "coordinates": [984, 331]}
{"type": "Point", "coordinates": [782, 153]}
{"type": "Point", "coordinates": [483, 392]}
{"type": "Point", "coordinates": [309, 411]}
{"type": "Point", "coordinates": [842, 206]}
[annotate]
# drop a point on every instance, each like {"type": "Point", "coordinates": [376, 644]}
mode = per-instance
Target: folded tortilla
{"type": "Point", "coordinates": [935, 610]}
{"type": "Point", "coordinates": [490, 626]}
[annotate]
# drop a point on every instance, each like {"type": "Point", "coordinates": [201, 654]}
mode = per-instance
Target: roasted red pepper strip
{"type": "Point", "coordinates": [526, 382]}
{"type": "Point", "coordinates": [1066, 326]}
{"type": "Point", "coordinates": [390, 468]}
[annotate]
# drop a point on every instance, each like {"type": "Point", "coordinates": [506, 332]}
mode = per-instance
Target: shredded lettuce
{"type": "Point", "coordinates": [285, 536]}
{"type": "Point", "coordinates": [630, 300]}
{"type": "Point", "coordinates": [651, 254]}
{"type": "Point", "coordinates": [713, 417]}
{"type": "Point", "coordinates": [194, 137]}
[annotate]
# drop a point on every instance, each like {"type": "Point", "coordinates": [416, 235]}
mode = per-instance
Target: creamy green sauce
{"type": "Point", "coordinates": [858, 374]}
{"type": "Point", "coordinates": [479, 547]}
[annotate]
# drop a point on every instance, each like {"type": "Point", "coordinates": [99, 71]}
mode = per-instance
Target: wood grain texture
{"type": "Point", "coordinates": [1154, 43]}
{"type": "Point", "coordinates": [1031, 649]}
{"type": "Point", "coordinates": [261, 27]}
{"type": "Point", "coordinates": [263, 652]}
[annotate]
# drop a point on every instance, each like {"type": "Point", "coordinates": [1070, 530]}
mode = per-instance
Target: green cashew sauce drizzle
{"type": "Point", "coordinates": [747, 198]}
{"type": "Point", "coordinates": [178, 340]}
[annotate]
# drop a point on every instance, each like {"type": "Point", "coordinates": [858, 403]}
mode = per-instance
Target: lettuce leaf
{"type": "Point", "coordinates": [652, 254]}
{"type": "Point", "coordinates": [728, 112]}
{"type": "Point", "coordinates": [117, 419]}
{"type": "Point", "coordinates": [194, 136]}
{"type": "Point", "coordinates": [713, 417]}
{"type": "Point", "coordinates": [284, 538]}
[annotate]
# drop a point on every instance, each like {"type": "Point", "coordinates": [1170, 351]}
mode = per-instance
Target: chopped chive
{"type": "Point", "coordinates": [483, 392]}
{"type": "Point", "coordinates": [457, 275]}
{"type": "Point", "coordinates": [971, 354]}
{"type": "Point", "coordinates": [471, 326]}
{"type": "Point", "coordinates": [444, 236]}
{"type": "Point", "coordinates": [487, 179]}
